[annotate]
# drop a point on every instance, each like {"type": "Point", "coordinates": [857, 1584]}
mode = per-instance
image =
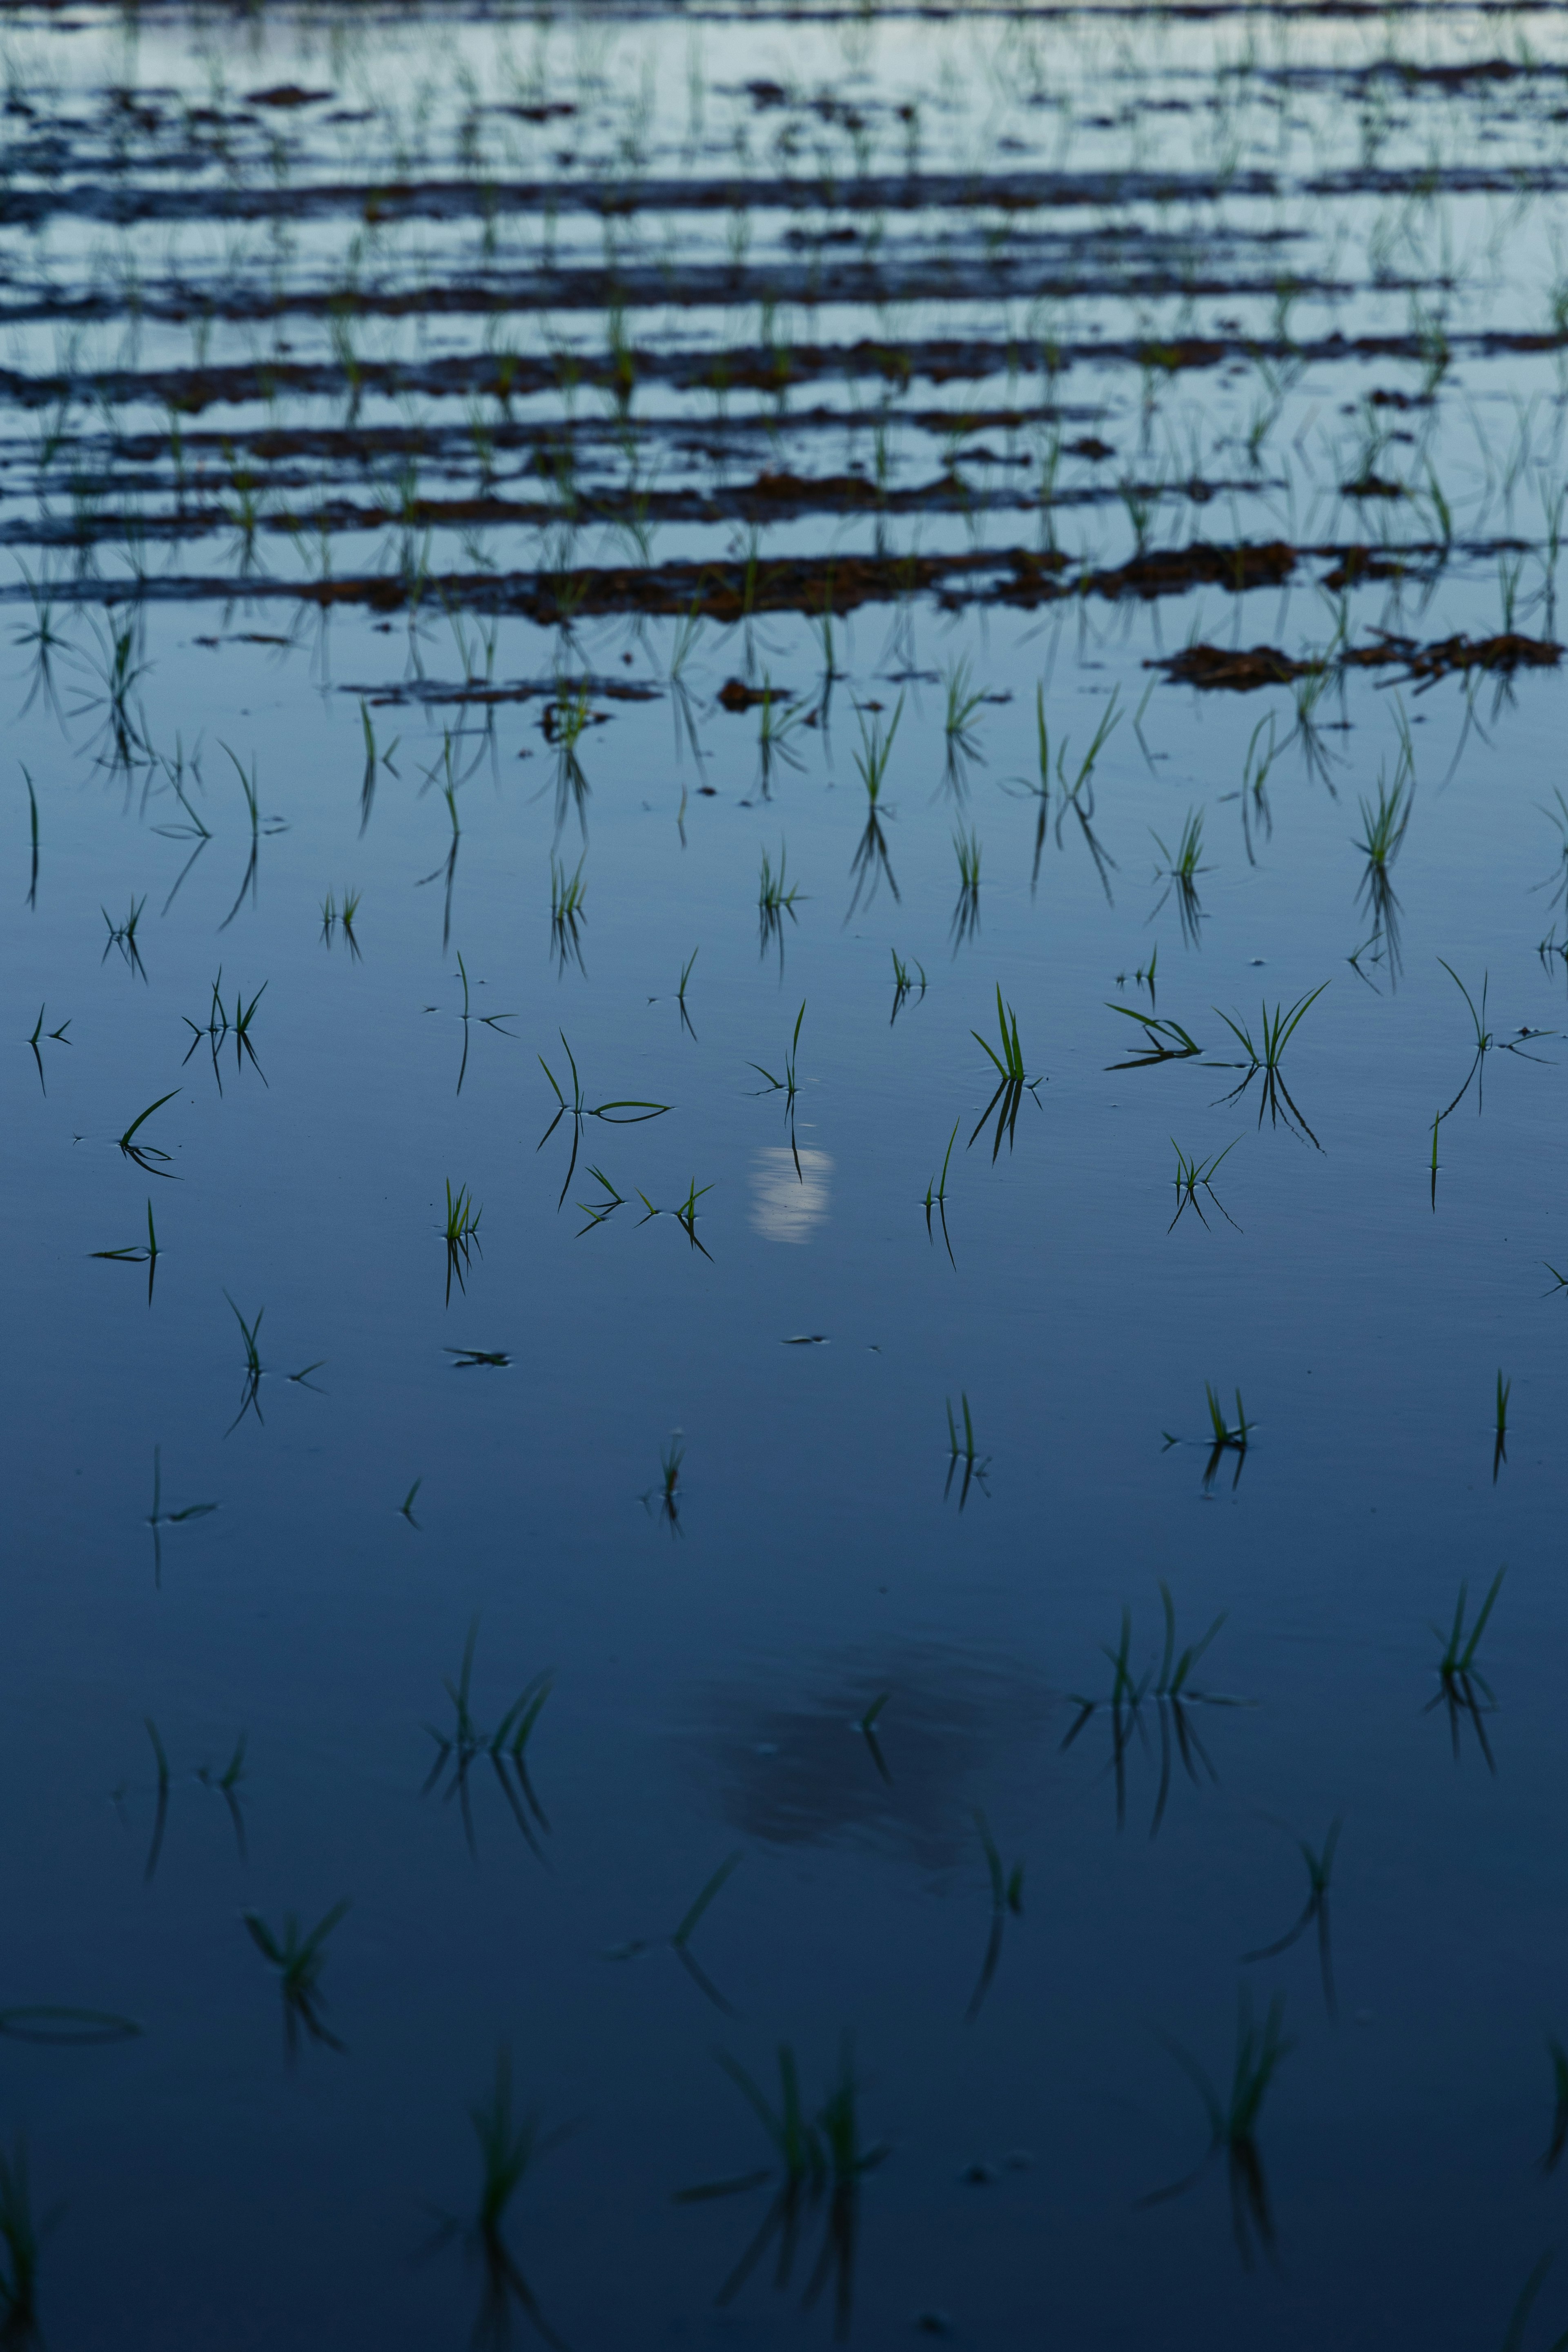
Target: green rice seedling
{"type": "Point", "coordinates": [136, 1255]}
{"type": "Point", "coordinates": [250, 1400]}
{"type": "Point", "coordinates": [1225, 1435]}
{"type": "Point", "coordinates": [1013, 1080]}
{"type": "Point", "coordinates": [597, 1212]}
{"type": "Point", "coordinates": [1162, 1041]}
{"type": "Point", "coordinates": [406, 1509]}
{"type": "Point", "coordinates": [1278, 1029]}
{"type": "Point", "coordinates": [468, 1016]}
{"type": "Point", "coordinates": [46, 641]}
{"type": "Point", "coordinates": [684, 1213]}
{"type": "Point", "coordinates": [33, 826]}
{"type": "Point", "coordinates": [1559, 2140]}
{"type": "Point", "coordinates": [158, 1518]}
{"type": "Point", "coordinates": [778, 720]}
{"type": "Point", "coordinates": [227, 1783]}
{"type": "Point", "coordinates": [457, 1750]}
{"type": "Point", "coordinates": [473, 1358]}
{"type": "Point", "coordinates": [21, 2244]}
{"type": "Point", "coordinates": [904, 984]}
{"type": "Point", "coordinates": [1500, 1443]}
{"type": "Point", "coordinates": [1171, 1686]}
{"type": "Point", "coordinates": [623, 1112]}
{"type": "Point", "coordinates": [144, 1154]}
{"type": "Point", "coordinates": [1463, 1691]}
{"type": "Point", "coordinates": [665, 1498]}
{"type": "Point", "coordinates": [160, 1811]}
{"type": "Point", "coordinates": [963, 1449]}
{"type": "Point", "coordinates": [1519, 2320]}
{"type": "Point", "coordinates": [776, 898]}
{"type": "Point", "coordinates": [936, 1193]}
{"type": "Point", "coordinates": [1260, 2052]}
{"type": "Point", "coordinates": [1190, 1175]}
{"type": "Point", "coordinates": [461, 1233]}
{"type": "Point", "coordinates": [567, 894]}
{"type": "Point", "coordinates": [1484, 1039]}
{"type": "Point", "coordinates": [964, 700]}
{"type": "Point", "coordinates": [1037, 790]}
{"type": "Point", "coordinates": [799, 2167]}
{"type": "Point", "coordinates": [1262, 750]}
{"type": "Point", "coordinates": [54, 1037]}
{"type": "Point", "coordinates": [680, 994]}
{"type": "Point", "coordinates": [1383, 825]}
{"type": "Point", "coordinates": [679, 1941]}
{"type": "Point", "coordinates": [786, 1085]}
{"type": "Point", "coordinates": [1319, 1865]}
{"type": "Point", "coordinates": [875, 751]}
{"type": "Point", "coordinates": [123, 937]}
{"type": "Point", "coordinates": [1006, 1897]}
{"type": "Point", "coordinates": [118, 665]}
{"type": "Point", "coordinates": [260, 826]}
{"type": "Point", "coordinates": [221, 1025]}
{"type": "Point", "coordinates": [966, 911]}
{"type": "Point", "coordinates": [508, 2151]}
{"type": "Point", "coordinates": [374, 759]}
{"type": "Point", "coordinates": [1078, 797]}
{"type": "Point", "coordinates": [299, 1959]}
{"type": "Point", "coordinates": [849, 2162]}
{"type": "Point", "coordinates": [1180, 873]}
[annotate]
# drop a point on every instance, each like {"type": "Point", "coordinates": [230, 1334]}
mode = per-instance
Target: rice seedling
{"type": "Point", "coordinates": [1383, 827]}
{"type": "Point", "coordinates": [1278, 1028]}
{"type": "Point", "coordinates": [679, 1941]}
{"type": "Point", "coordinates": [335, 917]}
{"type": "Point", "coordinates": [813, 2157]}
{"type": "Point", "coordinates": [786, 1085]}
{"type": "Point", "coordinates": [1192, 1174]}
{"type": "Point", "coordinates": [457, 1750]}
{"type": "Point", "coordinates": [54, 1036]}
{"type": "Point", "coordinates": [963, 1449]}
{"type": "Point", "coordinates": [221, 1025]}
{"type": "Point", "coordinates": [260, 826]}
{"type": "Point", "coordinates": [33, 827]}
{"type": "Point", "coordinates": [1225, 1435]}
{"type": "Point", "coordinates": [123, 937]}
{"type": "Point", "coordinates": [298, 1959]}
{"type": "Point", "coordinates": [21, 2244]}
{"type": "Point", "coordinates": [1162, 1041]}
{"type": "Point", "coordinates": [136, 1255]}
{"type": "Point", "coordinates": [623, 1112]}
{"type": "Point", "coordinates": [158, 1518]}
{"type": "Point", "coordinates": [461, 1235]}
{"type": "Point", "coordinates": [1006, 1897]}
{"type": "Point", "coordinates": [665, 1498]}
{"type": "Point", "coordinates": [1519, 2319]}
{"type": "Point", "coordinates": [964, 701]}
{"type": "Point", "coordinates": [1170, 1684]}
{"type": "Point", "coordinates": [1483, 1036]}
{"type": "Point", "coordinates": [966, 910]}
{"type": "Point", "coordinates": [1319, 1865]}
{"type": "Point", "coordinates": [680, 994]}
{"type": "Point", "coordinates": [871, 864]}
{"type": "Point", "coordinates": [685, 1211]}
{"type": "Point", "coordinates": [144, 1154]}
{"type": "Point", "coordinates": [1262, 750]}
{"type": "Point", "coordinates": [118, 665]}
{"type": "Point", "coordinates": [1552, 2157]}
{"type": "Point", "coordinates": [470, 1360]}
{"type": "Point", "coordinates": [1180, 873]}
{"type": "Point", "coordinates": [1078, 797]}
{"type": "Point", "coordinates": [936, 1194]}
{"type": "Point", "coordinates": [227, 1783]}
{"type": "Point", "coordinates": [507, 2150]}
{"type": "Point", "coordinates": [468, 1016]}
{"type": "Point", "coordinates": [567, 894]}
{"type": "Point", "coordinates": [1463, 1691]}
{"type": "Point", "coordinates": [250, 1399]}
{"type": "Point", "coordinates": [598, 1211]}
{"type": "Point", "coordinates": [904, 984]}
{"type": "Point", "coordinates": [1499, 1443]}
{"type": "Point", "coordinates": [778, 721]}
{"type": "Point", "coordinates": [161, 1810]}
{"type": "Point", "coordinates": [776, 898]}
{"type": "Point", "coordinates": [1013, 1081]}
{"type": "Point", "coordinates": [1260, 2052]}
{"type": "Point", "coordinates": [406, 1509]}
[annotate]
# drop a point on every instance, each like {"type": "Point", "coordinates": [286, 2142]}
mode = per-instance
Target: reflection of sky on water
{"type": "Point", "coordinates": [787, 1202]}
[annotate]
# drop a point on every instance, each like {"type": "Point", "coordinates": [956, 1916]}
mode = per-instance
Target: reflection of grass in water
{"type": "Point", "coordinates": [508, 2149]}
{"type": "Point", "coordinates": [1260, 2052]}
{"type": "Point", "coordinates": [1463, 1691]}
{"type": "Point", "coordinates": [1174, 1696]}
{"type": "Point", "coordinates": [679, 1939]}
{"type": "Point", "coordinates": [1320, 1870]}
{"type": "Point", "coordinates": [819, 2164]}
{"type": "Point", "coordinates": [298, 1959]}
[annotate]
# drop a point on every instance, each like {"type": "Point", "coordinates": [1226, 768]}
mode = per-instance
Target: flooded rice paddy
{"type": "Point", "coordinates": [787, 968]}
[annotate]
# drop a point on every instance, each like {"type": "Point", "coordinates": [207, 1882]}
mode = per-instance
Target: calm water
{"type": "Point", "coordinates": [486, 393]}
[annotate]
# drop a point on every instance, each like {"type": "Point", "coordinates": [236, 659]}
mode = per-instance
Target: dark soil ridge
{"type": "Point", "coordinates": [504, 377]}
{"type": "Point", "coordinates": [731, 591]}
